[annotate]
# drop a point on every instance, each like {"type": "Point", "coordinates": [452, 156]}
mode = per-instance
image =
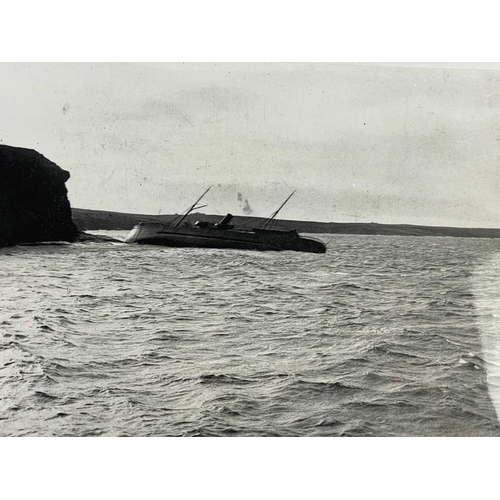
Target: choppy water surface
{"type": "Point", "coordinates": [381, 336]}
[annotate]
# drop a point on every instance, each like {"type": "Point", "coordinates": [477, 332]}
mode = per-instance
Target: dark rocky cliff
{"type": "Point", "coordinates": [34, 204]}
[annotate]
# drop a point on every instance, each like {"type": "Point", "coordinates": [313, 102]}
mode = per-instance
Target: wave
{"type": "Point", "coordinates": [378, 337]}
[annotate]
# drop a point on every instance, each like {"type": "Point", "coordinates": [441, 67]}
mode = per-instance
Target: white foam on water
{"type": "Point", "coordinates": [486, 289]}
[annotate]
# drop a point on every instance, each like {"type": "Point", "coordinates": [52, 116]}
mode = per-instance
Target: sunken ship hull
{"type": "Point", "coordinates": [204, 235]}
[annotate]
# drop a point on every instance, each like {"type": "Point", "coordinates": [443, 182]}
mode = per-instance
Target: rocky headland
{"type": "Point", "coordinates": [34, 204]}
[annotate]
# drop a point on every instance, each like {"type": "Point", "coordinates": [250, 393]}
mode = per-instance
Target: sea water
{"type": "Point", "coordinates": [380, 336]}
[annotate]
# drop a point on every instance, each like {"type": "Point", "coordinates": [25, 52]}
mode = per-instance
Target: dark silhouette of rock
{"type": "Point", "coordinates": [34, 205]}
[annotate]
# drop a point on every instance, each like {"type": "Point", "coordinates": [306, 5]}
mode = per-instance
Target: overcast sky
{"type": "Point", "coordinates": [359, 142]}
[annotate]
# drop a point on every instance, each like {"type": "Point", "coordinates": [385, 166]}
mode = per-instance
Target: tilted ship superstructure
{"type": "Point", "coordinates": [204, 234]}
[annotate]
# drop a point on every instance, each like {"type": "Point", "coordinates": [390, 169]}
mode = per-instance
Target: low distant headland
{"type": "Point", "coordinates": [89, 220]}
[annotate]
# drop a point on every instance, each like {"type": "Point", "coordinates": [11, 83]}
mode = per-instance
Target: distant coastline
{"type": "Point", "coordinates": [88, 220]}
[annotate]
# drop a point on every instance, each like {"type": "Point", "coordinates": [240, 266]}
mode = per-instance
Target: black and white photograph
{"type": "Point", "coordinates": [254, 249]}
{"type": "Point", "coordinates": [298, 259]}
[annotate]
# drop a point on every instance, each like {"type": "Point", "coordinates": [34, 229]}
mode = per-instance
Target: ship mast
{"type": "Point", "coordinates": [193, 207]}
{"type": "Point", "coordinates": [268, 221]}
